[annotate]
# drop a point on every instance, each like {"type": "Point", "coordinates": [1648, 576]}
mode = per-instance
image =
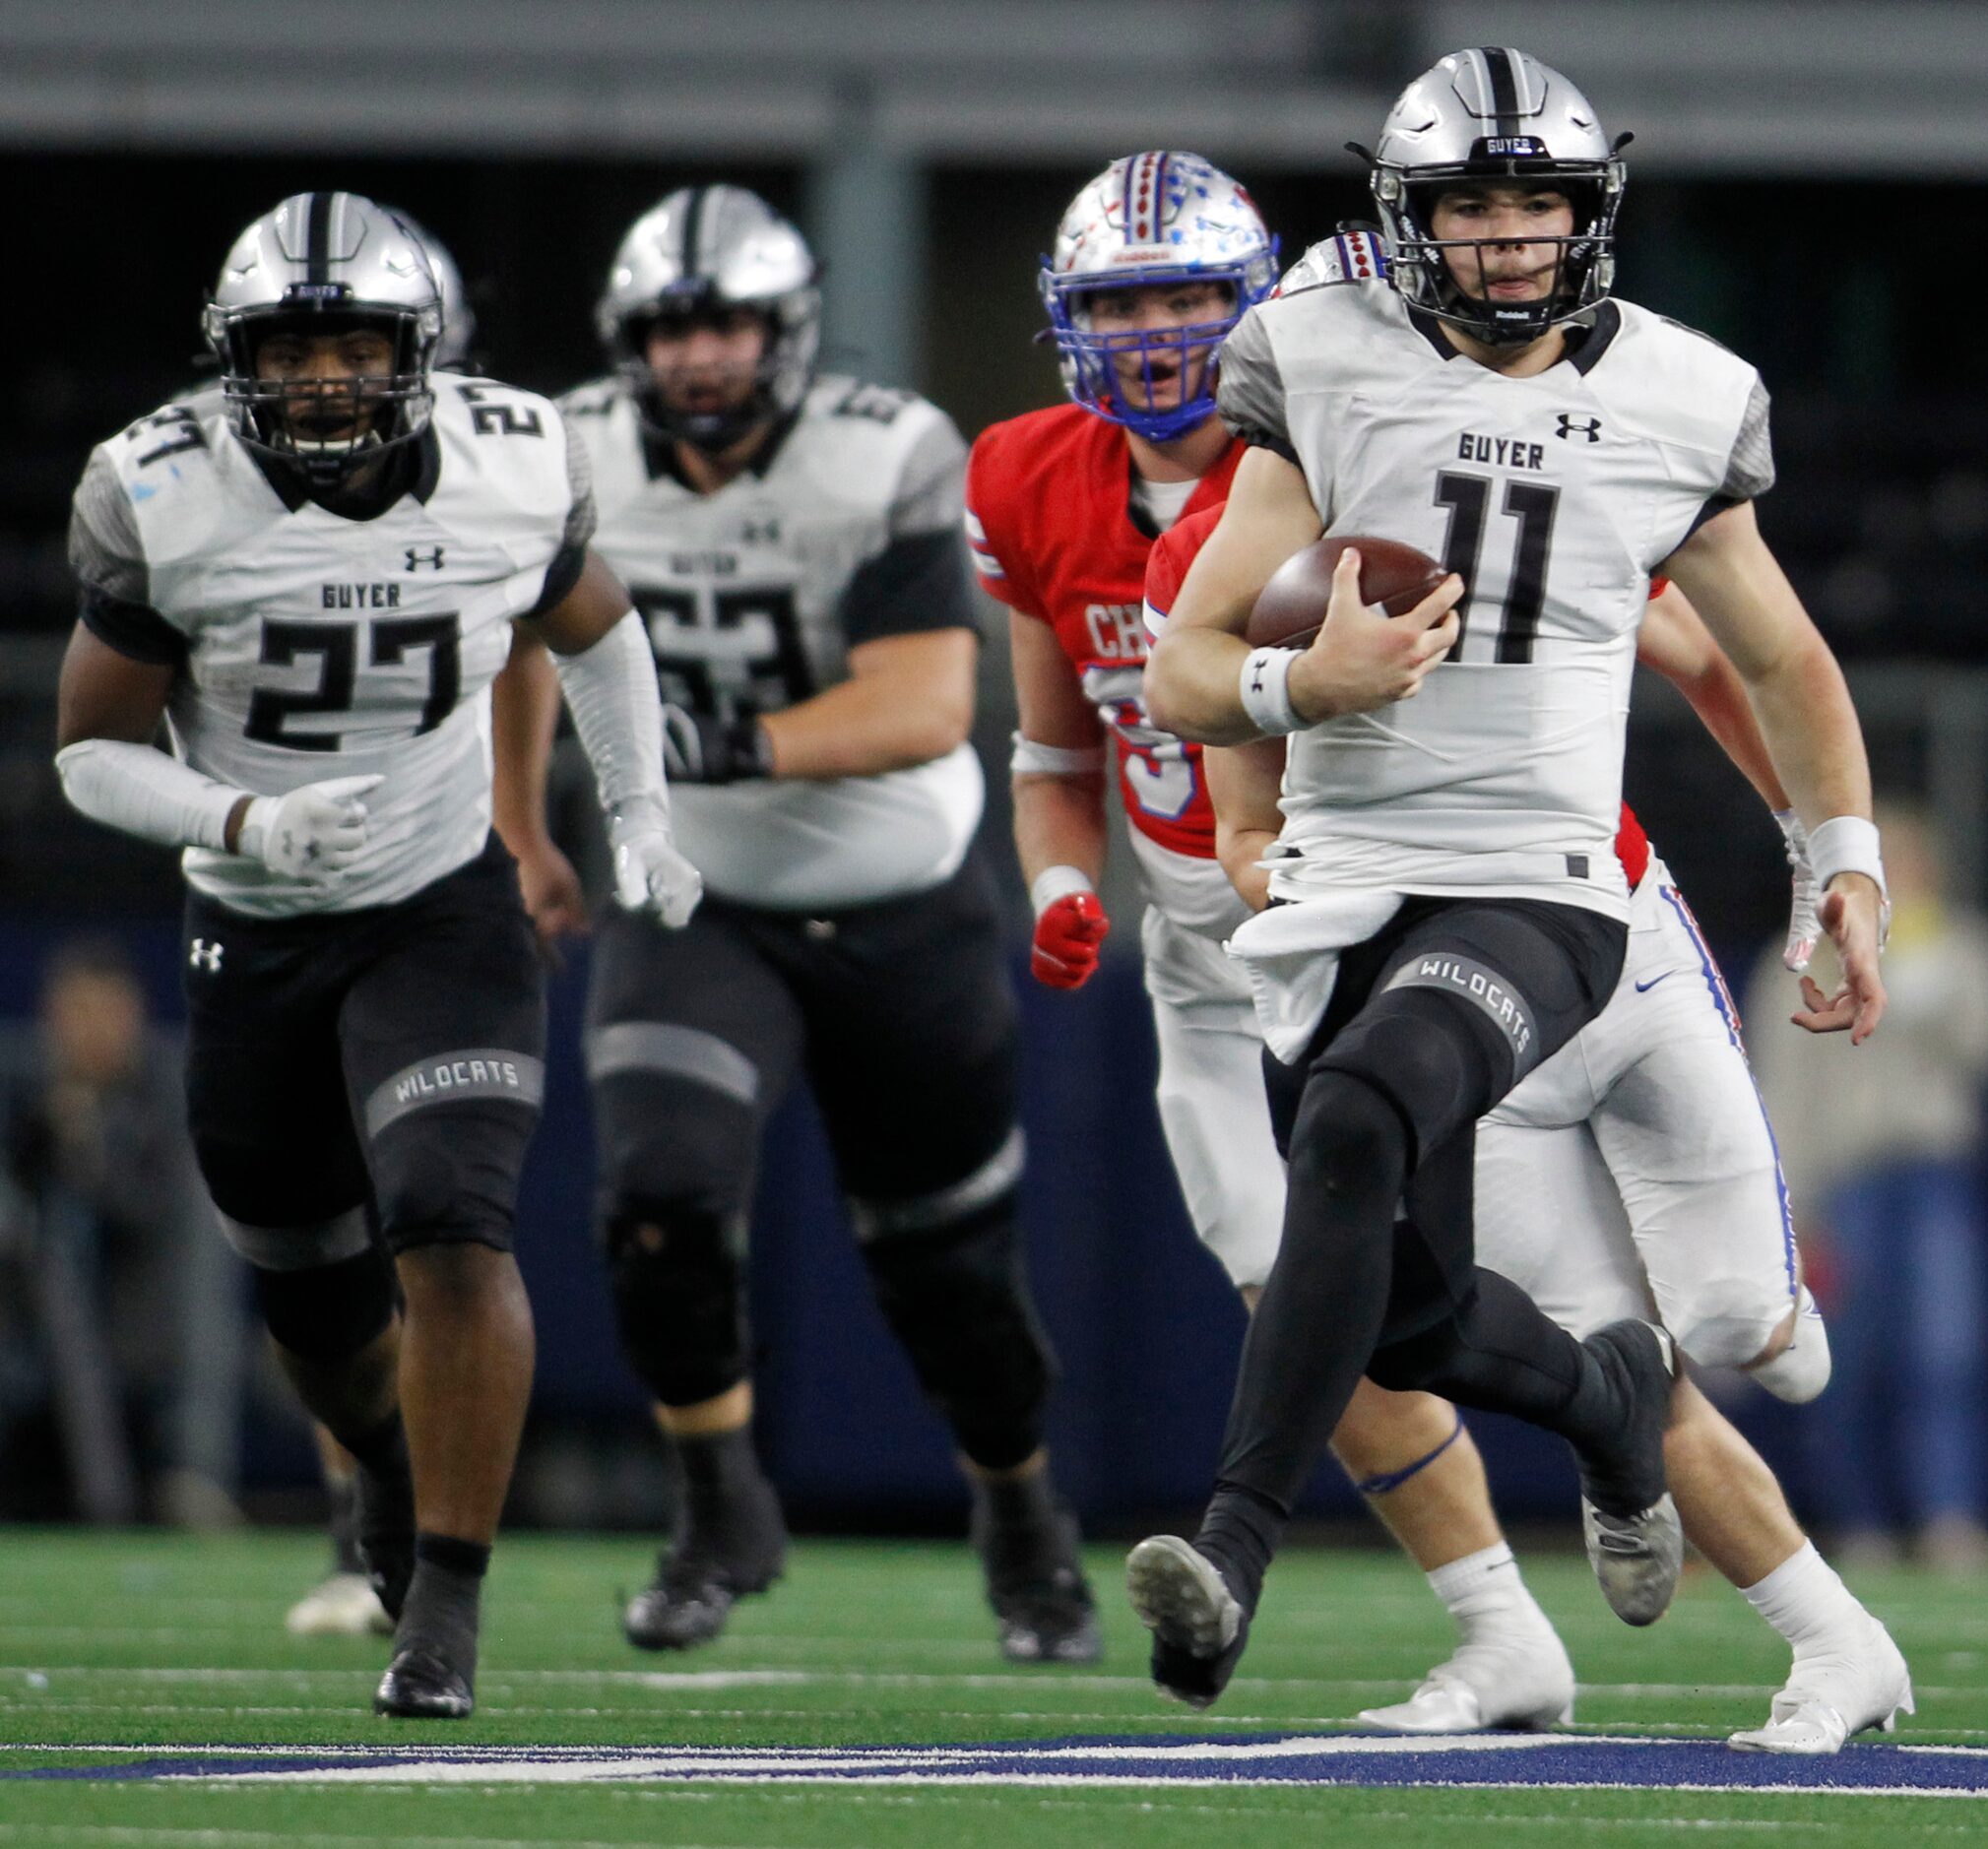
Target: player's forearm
{"type": "Point", "coordinates": [140, 790]}
{"type": "Point", "coordinates": [1718, 697]}
{"type": "Point", "coordinates": [610, 689]}
{"type": "Point", "coordinates": [1193, 685]}
{"type": "Point", "coordinates": [1241, 852]}
{"type": "Point", "coordinates": [1060, 821]}
{"type": "Point", "coordinates": [1811, 731]}
{"type": "Point", "coordinates": [866, 726]}
{"type": "Point", "coordinates": [524, 717]}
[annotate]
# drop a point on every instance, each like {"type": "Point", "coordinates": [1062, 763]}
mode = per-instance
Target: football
{"type": "Point", "coordinates": [1292, 606]}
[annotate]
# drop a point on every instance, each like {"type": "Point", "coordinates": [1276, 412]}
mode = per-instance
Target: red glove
{"type": "Point", "coordinates": [1068, 931]}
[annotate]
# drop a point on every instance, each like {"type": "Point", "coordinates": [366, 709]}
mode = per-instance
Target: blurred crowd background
{"type": "Point", "coordinates": [1806, 182]}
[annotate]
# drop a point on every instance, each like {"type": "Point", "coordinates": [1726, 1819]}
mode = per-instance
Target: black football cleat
{"type": "Point", "coordinates": [384, 1533]}
{"type": "Point", "coordinates": [1635, 1541]}
{"type": "Point", "coordinates": [1037, 1589]}
{"type": "Point", "coordinates": [1199, 1628]}
{"type": "Point", "coordinates": [712, 1566]}
{"type": "Point", "coordinates": [420, 1685]}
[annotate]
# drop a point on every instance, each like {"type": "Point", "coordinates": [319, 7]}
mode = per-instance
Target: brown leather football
{"type": "Point", "coordinates": [1292, 606]}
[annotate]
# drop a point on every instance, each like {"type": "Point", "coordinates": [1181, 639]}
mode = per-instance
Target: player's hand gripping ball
{"type": "Point", "coordinates": [1291, 609]}
{"type": "Point", "coordinates": [1068, 931]}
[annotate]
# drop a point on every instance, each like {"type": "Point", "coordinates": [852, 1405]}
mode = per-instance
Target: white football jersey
{"type": "Point", "coordinates": [845, 529]}
{"type": "Point", "coordinates": [1555, 497]}
{"type": "Point", "coordinates": [313, 646]}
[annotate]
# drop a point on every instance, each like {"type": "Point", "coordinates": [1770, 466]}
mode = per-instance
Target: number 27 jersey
{"type": "Point", "coordinates": [308, 646]}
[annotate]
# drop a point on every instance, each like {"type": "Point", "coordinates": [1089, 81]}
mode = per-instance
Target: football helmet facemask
{"type": "Point", "coordinates": [703, 251]}
{"type": "Point", "coordinates": [1149, 220]}
{"type": "Point", "coordinates": [326, 263]}
{"type": "Point", "coordinates": [1497, 115]}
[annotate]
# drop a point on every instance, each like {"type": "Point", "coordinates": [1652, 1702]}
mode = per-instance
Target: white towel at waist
{"type": "Point", "coordinates": [1292, 954]}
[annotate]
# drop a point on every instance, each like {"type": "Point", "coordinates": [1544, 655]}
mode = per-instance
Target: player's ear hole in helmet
{"type": "Point", "coordinates": [1167, 222]}
{"type": "Point", "coordinates": [325, 321]}
{"type": "Point", "coordinates": [716, 259]}
{"type": "Point", "coordinates": [1493, 118]}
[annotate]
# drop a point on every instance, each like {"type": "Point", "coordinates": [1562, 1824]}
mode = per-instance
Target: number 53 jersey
{"type": "Point", "coordinates": [844, 528]}
{"type": "Point", "coordinates": [1556, 497]}
{"type": "Point", "coordinates": [308, 645]}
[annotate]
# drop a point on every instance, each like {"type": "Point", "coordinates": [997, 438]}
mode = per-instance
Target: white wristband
{"type": "Point", "coordinates": [1266, 690]}
{"type": "Point", "coordinates": [1057, 883]}
{"type": "Point", "coordinates": [1033, 758]}
{"type": "Point", "coordinates": [1845, 844]}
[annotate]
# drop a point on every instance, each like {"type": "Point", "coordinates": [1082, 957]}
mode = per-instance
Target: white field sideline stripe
{"type": "Point", "coordinates": [579, 1774]}
{"type": "Point", "coordinates": [665, 1680]}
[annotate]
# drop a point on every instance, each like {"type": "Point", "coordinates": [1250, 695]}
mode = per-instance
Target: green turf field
{"type": "Point", "coordinates": [122, 1641]}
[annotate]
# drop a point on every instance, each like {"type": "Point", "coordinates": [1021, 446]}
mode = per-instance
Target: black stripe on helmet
{"type": "Point", "coordinates": [317, 217]}
{"type": "Point", "coordinates": [1502, 68]}
{"type": "Point", "coordinates": [693, 229]}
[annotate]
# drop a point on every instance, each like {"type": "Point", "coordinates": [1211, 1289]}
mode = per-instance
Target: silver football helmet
{"type": "Point", "coordinates": [321, 262]}
{"type": "Point", "coordinates": [1494, 114]}
{"type": "Point", "coordinates": [703, 251]}
{"type": "Point", "coordinates": [458, 319]}
{"type": "Point", "coordinates": [1152, 218]}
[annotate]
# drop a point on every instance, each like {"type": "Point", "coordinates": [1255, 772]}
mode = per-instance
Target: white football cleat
{"type": "Point", "coordinates": [345, 1605]}
{"type": "Point", "coordinates": [1833, 1695]}
{"type": "Point", "coordinates": [1519, 1681]}
{"type": "Point", "coordinates": [1522, 1682]}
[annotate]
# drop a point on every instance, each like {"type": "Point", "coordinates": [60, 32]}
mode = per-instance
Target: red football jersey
{"type": "Point", "coordinates": [1167, 570]}
{"type": "Point", "coordinates": [1050, 517]}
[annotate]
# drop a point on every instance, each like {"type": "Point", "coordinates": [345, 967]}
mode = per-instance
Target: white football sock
{"type": "Point", "coordinates": [1484, 1594]}
{"type": "Point", "coordinates": [1805, 1600]}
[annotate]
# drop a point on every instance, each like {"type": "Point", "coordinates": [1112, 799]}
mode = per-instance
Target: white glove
{"type": "Point", "coordinates": [649, 874]}
{"type": "Point", "coordinates": [314, 833]}
{"type": "Point", "coordinates": [1805, 930]}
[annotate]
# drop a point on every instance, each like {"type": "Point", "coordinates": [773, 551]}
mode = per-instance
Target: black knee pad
{"type": "Point", "coordinates": [957, 1298]}
{"type": "Point", "coordinates": [449, 1174]}
{"type": "Point", "coordinates": [1349, 1138]}
{"type": "Point", "coordinates": [326, 1313]}
{"type": "Point", "coordinates": [1439, 1063]}
{"type": "Point", "coordinates": [679, 1284]}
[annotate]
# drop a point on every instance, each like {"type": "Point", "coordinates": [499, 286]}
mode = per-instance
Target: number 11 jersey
{"type": "Point", "coordinates": [1556, 497]}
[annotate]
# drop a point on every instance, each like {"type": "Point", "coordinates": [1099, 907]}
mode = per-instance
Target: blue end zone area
{"type": "Point", "coordinates": [1368, 1760]}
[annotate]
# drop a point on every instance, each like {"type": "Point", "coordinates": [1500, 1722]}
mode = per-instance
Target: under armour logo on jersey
{"type": "Point", "coordinates": [206, 956]}
{"type": "Point", "coordinates": [1571, 426]}
{"type": "Point", "coordinates": [432, 557]}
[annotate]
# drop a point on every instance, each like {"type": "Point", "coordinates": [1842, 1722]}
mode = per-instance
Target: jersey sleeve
{"type": "Point", "coordinates": [919, 581]}
{"type": "Point", "coordinates": [114, 584]}
{"type": "Point", "coordinates": [1749, 470]}
{"type": "Point", "coordinates": [567, 563]}
{"type": "Point", "coordinates": [991, 531]}
{"type": "Point", "coordinates": [1168, 562]}
{"type": "Point", "coordinates": [1250, 390]}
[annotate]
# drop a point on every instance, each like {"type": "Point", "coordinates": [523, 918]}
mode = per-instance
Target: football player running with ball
{"type": "Point", "coordinates": [1453, 911]}
{"type": "Point", "coordinates": [793, 544]}
{"type": "Point", "coordinates": [312, 578]}
{"type": "Point", "coordinates": [1155, 261]}
{"type": "Point", "coordinates": [1635, 1167]}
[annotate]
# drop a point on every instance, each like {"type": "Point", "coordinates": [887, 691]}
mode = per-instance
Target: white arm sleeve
{"type": "Point", "coordinates": [611, 691]}
{"type": "Point", "coordinates": [145, 793]}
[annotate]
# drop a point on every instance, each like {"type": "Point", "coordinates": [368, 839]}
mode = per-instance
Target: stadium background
{"type": "Point", "coordinates": [1803, 186]}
